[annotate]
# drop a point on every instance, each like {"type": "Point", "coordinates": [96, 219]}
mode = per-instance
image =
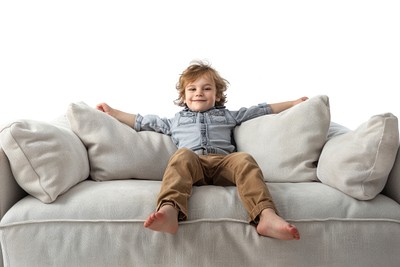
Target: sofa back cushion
{"type": "Point", "coordinates": [117, 151]}
{"type": "Point", "coordinates": [358, 162]}
{"type": "Point", "coordinates": [287, 145]}
{"type": "Point", "coordinates": [46, 160]}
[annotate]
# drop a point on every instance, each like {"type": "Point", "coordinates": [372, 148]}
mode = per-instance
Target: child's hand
{"type": "Point", "coordinates": [301, 99]}
{"type": "Point", "coordinates": [104, 107]}
{"type": "Point", "coordinates": [127, 118]}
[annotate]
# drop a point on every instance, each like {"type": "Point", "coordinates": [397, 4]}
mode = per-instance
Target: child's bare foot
{"type": "Point", "coordinates": [272, 225]}
{"type": "Point", "coordinates": [164, 220]}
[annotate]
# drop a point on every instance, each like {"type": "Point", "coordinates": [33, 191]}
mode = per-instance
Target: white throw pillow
{"type": "Point", "coordinates": [287, 145]}
{"type": "Point", "coordinates": [117, 151]}
{"type": "Point", "coordinates": [45, 160]}
{"type": "Point", "coordinates": [358, 162]}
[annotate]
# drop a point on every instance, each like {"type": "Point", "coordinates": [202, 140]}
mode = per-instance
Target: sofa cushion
{"type": "Point", "coordinates": [88, 224]}
{"type": "Point", "coordinates": [117, 151]}
{"type": "Point", "coordinates": [287, 145]}
{"type": "Point", "coordinates": [392, 187]}
{"type": "Point", "coordinates": [358, 162]}
{"type": "Point", "coordinates": [45, 160]}
{"type": "Point", "coordinates": [136, 200]}
{"type": "Point", "coordinates": [336, 129]}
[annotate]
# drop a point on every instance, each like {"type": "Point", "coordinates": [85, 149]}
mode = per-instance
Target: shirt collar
{"type": "Point", "coordinates": [186, 108]}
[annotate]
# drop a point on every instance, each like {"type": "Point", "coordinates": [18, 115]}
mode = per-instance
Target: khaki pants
{"type": "Point", "coordinates": [186, 169]}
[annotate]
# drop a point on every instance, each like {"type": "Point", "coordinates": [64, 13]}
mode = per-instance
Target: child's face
{"type": "Point", "coordinates": [201, 94]}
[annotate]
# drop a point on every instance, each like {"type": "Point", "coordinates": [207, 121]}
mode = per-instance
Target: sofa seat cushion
{"type": "Point", "coordinates": [95, 220]}
{"type": "Point", "coordinates": [134, 200]}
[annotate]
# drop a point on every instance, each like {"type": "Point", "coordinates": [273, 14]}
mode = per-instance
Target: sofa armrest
{"type": "Point", "coordinates": [392, 188]}
{"type": "Point", "coordinates": [10, 191]}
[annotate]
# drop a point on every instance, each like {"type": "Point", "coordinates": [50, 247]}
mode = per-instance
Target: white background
{"type": "Point", "coordinates": [130, 54]}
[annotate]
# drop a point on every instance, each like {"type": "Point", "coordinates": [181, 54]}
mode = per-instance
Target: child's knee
{"type": "Point", "coordinates": [245, 156]}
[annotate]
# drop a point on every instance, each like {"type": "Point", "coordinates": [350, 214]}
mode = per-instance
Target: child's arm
{"type": "Point", "coordinates": [279, 107]}
{"type": "Point", "coordinates": [124, 117]}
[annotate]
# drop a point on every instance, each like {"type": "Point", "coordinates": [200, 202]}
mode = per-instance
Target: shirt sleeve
{"type": "Point", "coordinates": [153, 123]}
{"type": "Point", "coordinates": [245, 114]}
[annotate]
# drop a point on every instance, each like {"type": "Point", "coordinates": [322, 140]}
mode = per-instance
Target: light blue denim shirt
{"type": "Point", "coordinates": [208, 132]}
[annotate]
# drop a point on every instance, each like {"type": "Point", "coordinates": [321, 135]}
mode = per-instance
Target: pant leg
{"type": "Point", "coordinates": [183, 170]}
{"type": "Point", "coordinates": [241, 169]}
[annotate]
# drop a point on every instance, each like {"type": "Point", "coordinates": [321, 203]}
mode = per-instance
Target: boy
{"type": "Point", "coordinates": [206, 154]}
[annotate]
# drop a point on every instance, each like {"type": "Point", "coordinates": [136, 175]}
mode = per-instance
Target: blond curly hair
{"type": "Point", "coordinates": [196, 70]}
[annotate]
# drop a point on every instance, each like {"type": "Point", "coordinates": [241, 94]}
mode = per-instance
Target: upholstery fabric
{"type": "Point", "coordinates": [287, 145]}
{"type": "Point", "coordinates": [392, 188]}
{"type": "Point", "coordinates": [10, 191]}
{"type": "Point", "coordinates": [45, 160]}
{"type": "Point", "coordinates": [117, 151]}
{"type": "Point", "coordinates": [358, 162]}
{"type": "Point", "coordinates": [89, 226]}
{"type": "Point", "coordinates": [90, 200]}
{"type": "Point", "coordinates": [336, 129]}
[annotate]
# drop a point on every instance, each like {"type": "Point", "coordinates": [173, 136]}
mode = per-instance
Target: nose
{"type": "Point", "coordinates": [199, 92]}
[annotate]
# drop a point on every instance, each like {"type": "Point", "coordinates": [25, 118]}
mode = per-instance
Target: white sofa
{"type": "Point", "coordinates": [76, 191]}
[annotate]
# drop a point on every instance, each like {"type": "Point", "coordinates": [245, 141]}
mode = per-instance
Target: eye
{"type": "Point", "coordinates": [191, 89]}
